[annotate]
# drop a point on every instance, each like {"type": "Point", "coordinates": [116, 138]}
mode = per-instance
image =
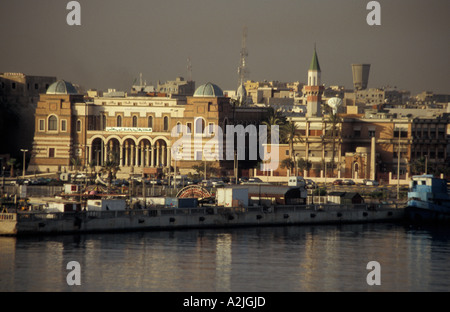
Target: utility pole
{"type": "Point", "coordinates": [23, 172]}
{"type": "Point", "coordinates": [398, 167]}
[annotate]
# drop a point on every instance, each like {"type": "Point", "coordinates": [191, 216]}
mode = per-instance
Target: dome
{"type": "Point", "coordinates": [208, 90]}
{"type": "Point", "coordinates": [61, 87]}
{"type": "Point", "coordinates": [241, 94]}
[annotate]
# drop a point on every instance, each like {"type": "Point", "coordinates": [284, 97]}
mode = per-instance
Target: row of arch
{"type": "Point", "coordinates": [129, 151]}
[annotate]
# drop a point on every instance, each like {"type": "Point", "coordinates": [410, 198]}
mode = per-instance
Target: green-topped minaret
{"type": "Point", "coordinates": [315, 62]}
{"type": "Point", "coordinates": [314, 89]}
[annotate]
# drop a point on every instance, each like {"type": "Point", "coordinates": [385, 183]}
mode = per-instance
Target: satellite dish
{"type": "Point", "coordinates": [334, 103]}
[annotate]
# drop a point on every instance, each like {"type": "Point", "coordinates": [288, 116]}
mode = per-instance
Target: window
{"type": "Point", "coordinates": [199, 125]}
{"type": "Point", "coordinates": [150, 122]}
{"type": "Point", "coordinates": [51, 152]}
{"type": "Point", "coordinates": [179, 127]}
{"type": "Point", "coordinates": [52, 123]}
{"type": "Point", "coordinates": [357, 133]}
{"type": "Point", "coordinates": [166, 123]}
{"type": "Point", "coordinates": [134, 122]}
{"type": "Point", "coordinates": [36, 86]}
{"type": "Point", "coordinates": [287, 152]}
{"type": "Point", "coordinates": [371, 133]}
{"type": "Point", "coordinates": [119, 121]}
{"type": "Point", "coordinates": [63, 125]}
{"type": "Point", "coordinates": [189, 127]}
{"type": "Point", "coordinates": [78, 125]}
{"type": "Point", "coordinates": [211, 127]}
{"type": "Point", "coordinates": [41, 125]}
{"type": "Point", "coordinates": [13, 85]}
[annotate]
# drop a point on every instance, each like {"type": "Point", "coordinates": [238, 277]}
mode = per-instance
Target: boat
{"type": "Point", "coordinates": [428, 199]}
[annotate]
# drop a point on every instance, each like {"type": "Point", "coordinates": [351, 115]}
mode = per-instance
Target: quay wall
{"type": "Point", "coordinates": [166, 219]}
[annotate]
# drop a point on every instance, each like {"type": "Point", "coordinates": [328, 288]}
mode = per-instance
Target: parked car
{"type": "Point", "coordinates": [348, 182]}
{"type": "Point", "coordinates": [310, 184]}
{"type": "Point", "coordinates": [337, 182]}
{"type": "Point", "coordinates": [155, 182]}
{"type": "Point", "coordinates": [372, 182]}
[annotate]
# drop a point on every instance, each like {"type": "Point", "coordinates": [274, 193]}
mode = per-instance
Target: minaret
{"type": "Point", "coordinates": [314, 90]}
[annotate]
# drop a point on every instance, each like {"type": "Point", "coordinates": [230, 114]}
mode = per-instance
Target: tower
{"type": "Point", "coordinates": [360, 76]}
{"type": "Point", "coordinates": [242, 69]}
{"type": "Point", "coordinates": [314, 90]}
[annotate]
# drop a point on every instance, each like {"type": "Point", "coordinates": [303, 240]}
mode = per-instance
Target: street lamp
{"type": "Point", "coordinates": [23, 172]}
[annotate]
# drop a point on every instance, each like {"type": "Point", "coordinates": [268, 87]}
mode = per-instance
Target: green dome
{"type": "Point", "coordinates": [61, 87]}
{"type": "Point", "coordinates": [208, 90]}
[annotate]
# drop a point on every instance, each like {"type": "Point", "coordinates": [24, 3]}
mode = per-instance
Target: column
{"type": "Point", "coordinates": [147, 160]}
{"type": "Point", "coordinates": [152, 164]}
{"type": "Point", "coordinates": [142, 164]}
{"type": "Point", "coordinates": [136, 155]}
{"type": "Point", "coordinates": [168, 156]}
{"type": "Point", "coordinates": [132, 151]}
{"type": "Point", "coordinates": [126, 154]}
{"type": "Point", "coordinates": [121, 155]}
{"type": "Point", "coordinates": [157, 155]}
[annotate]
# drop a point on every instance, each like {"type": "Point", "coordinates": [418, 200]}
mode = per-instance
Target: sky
{"type": "Point", "coordinates": [118, 40]}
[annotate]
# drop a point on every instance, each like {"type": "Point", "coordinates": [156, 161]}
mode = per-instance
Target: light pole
{"type": "Point", "coordinates": [398, 167]}
{"type": "Point", "coordinates": [23, 172]}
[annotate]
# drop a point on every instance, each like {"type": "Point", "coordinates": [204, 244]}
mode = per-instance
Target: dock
{"type": "Point", "coordinates": [162, 218]}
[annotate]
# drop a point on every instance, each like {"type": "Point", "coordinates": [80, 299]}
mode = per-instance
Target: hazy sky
{"type": "Point", "coordinates": [119, 39]}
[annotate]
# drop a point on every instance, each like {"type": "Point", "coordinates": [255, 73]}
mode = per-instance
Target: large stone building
{"type": "Point", "coordinates": [19, 94]}
{"type": "Point", "coordinates": [135, 132]}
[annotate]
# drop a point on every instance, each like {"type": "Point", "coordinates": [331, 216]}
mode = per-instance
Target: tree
{"type": "Point", "coordinates": [274, 118]}
{"type": "Point", "coordinates": [76, 163]}
{"type": "Point", "coordinates": [287, 163]}
{"type": "Point", "coordinates": [111, 167]}
{"type": "Point", "coordinates": [303, 165]}
{"type": "Point", "coordinates": [290, 135]}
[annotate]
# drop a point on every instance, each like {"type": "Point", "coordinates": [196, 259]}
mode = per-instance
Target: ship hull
{"type": "Point", "coordinates": [418, 211]}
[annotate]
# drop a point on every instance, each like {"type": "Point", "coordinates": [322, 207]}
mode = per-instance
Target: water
{"type": "Point", "coordinates": [276, 259]}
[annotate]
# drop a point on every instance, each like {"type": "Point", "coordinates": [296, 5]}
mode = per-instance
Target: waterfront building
{"type": "Point", "coordinates": [19, 94]}
{"type": "Point", "coordinates": [134, 132]}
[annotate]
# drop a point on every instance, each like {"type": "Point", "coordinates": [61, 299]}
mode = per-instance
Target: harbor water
{"type": "Point", "coordinates": [255, 259]}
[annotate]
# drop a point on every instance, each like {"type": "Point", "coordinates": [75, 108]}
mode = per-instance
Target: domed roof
{"type": "Point", "coordinates": [61, 87]}
{"type": "Point", "coordinates": [208, 90]}
{"type": "Point", "coordinates": [241, 94]}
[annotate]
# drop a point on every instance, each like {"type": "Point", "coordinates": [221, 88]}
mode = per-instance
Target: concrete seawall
{"type": "Point", "coordinates": [23, 223]}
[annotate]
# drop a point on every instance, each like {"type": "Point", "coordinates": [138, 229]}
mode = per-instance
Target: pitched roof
{"type": "Point", "coordinates": [314, 62]}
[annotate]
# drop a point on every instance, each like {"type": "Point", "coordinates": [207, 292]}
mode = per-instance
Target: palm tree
{"type": "Point", "coordinates": [287, 163]}
{"type": "Point", "coordinates": [290, 135]}
{"type": "Point", "coordinates": [274, 118]}
{"type": "Point", "coordinates": [76, 163]}
{"type": "Point", "coordinates": [110, 167]}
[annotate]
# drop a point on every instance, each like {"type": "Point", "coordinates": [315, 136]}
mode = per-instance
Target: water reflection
{"type": "Point", "coordinates": [280, 259]}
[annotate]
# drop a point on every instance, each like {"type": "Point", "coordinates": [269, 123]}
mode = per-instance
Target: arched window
{"type": "Point", "coordinates": [78, 125]}
{"type": "Point", "coordinates": [52, 123]}
{"type": "Point", "coordinates": [199, 125]}
{"type": "Point", "coordinates": [166, 123]}
{"type": "Point", "coordinates": [134, 122]}
{"type": "Point", "coordinates": [150, 122]}
{"type": "Point", "coordinates": [119, 121]}
{"type": "Point", "coordinates": [179, 127]}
